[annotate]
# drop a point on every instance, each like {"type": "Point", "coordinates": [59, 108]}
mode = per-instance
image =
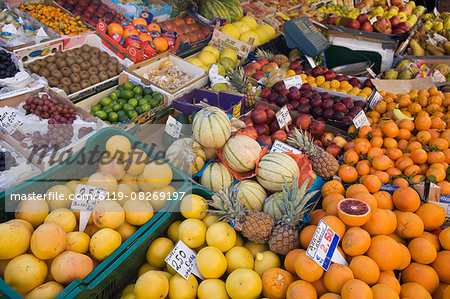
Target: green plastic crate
{"type": "Point", "coordinates": [124, 270]}
{"type": "Point", "coordinates": [61, 173]}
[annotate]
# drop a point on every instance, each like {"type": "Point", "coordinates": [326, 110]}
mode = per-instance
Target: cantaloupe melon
{"type": "Point", "coordinates": [216, 177]}
{"type": "Point", "coordinates": [187, 155]}
{"type": "Point", "coordinates": [251, 194]}
{"type": "Point", "coordinates": [272, 206]}
{"type": "Point", "coordinates": [241, 153]}
{"type": "Point", "coordinates": [273, 168]}
{"type": "Point", "coordinates": [211, 127]}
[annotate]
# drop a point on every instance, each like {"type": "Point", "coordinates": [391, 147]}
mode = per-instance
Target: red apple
{"type": "Point", "coordinates": [319, 144]}
{"type": "Point", "coordinates": [271, 115]}
{"type": "Point", "coordinates": [329, 75]}
{"type": "Point", "coordinates": [262, 129]}
{"type": "Point", "coordinates": [295, 65]}
{"type": "Point", "coordinates": [261, 106]}
{"type": "Point", "coordinates": [362, 18]}
{"type": "Point", "coordinates": [354, 24]}
{"type": "Point", "coordinates": [334, 150]}
{"type": "Point", "coordinates": [265, 93]}
{"type": "Point", "coordinates": [273, 64]}
{"type": "Point", "coordinates": [404, 26]}
{"type": "Point", "coordinates": [395, 20]}
{"type": "Point", "coordinates": [259, 75]}
{"type": "Point", "coordinates": [264, 139]}
{"type": "Point", "coordinates": [339, 141]}
{"type": "Point", "coordinates": [274, 126]}
{"type": "Point", "coordinates": [332, 20]}
{"type": "Point", "coordinates": [317, 128]}
{"type": "Point", "coordinates": [259, 116]}
{"type": "Point", "coordinates": [317, 71]}
{"type": "Point", "coordinates": [367, 27]}
{"type": "Point", "coordinates": [262, 61]}
{"type": "Point", "coordinates": [327, 138]}
{"type": "Point", "coordinates": [381, 25]}
{"type": "Point", "coordinates": [303, 121]}
{"type": "Point", "coordinates": [248, 131]}
{"type": "Point", "coordinates": [256, 66]}
{"type": "Point", "coordinates": [279, 135]}
{"type": "Point", "coordinates": [249, 70]}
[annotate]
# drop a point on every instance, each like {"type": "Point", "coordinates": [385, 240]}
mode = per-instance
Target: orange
{"type": "Point", "coordinates": [445, 187]}
{"type": "Point", "coordinates": [364, 131]}
{"type": "Point", "coordinates": [348, 174]}
{"type": "Point", "coordinates": [414, 291]}
{"type": "Point", "coordinates": [438, 144]}
{"type": "Point", "coordinates": [289, 261]}
{"type": "Point", "coordinates": [403, 144]}
{"type": "Point", "coordinates": [362, 147]}
{"type": "Point", "coordinates": [374, 152]}
{"type": "Point", "coordinates": [424, 275]}
{"type": "Point", "coordinates": [447, 155]}
{"type": "Point", "coordinates": [140, 21]}
{"type": "Point", "coordinates": [389, 280]}
{"type": "Point", "coordinates": [404, 134]}
{"type": "Point", "coordinates": [440, 291]}
{"type": "Point", "coordinates": [419, 156]}
{"type": "Point", "coordinates": [424, 137]}
{"type": "Point", "coordinates": [422, 122]}
{"type": "Point", "coordinates": [306, 268]}
{"type": "Point", "coordinates": [382, 222]}
{"type": "Point", "coordinates": [413, 145]}
{"type": "Point", "coordinates": [335, 224]}
{"type": "Point", "coordinates": [376, 141]}
{"type": "Point", "coordinates": [351, 157]}
{"type": "Point", "coordinates": [436, 174]}
{"type": "Point", "coordinates": [377, 132]}
{"type": "Point", "coordinates": [444, 238]}
{"type": "Point", "coordinates": [392, 171]}
{"type": "Point", "coordinates": [384, 200]}
{"type": "Point", "coordinates": [432, 215]}
{"type": "Point", "coordinates": [412, 170]}
{"type": "Point", "coordinates": [406, 256]}
{"type": "Point", "coordinates": [332, 199]}
{"type": "Point", "coordinates": [154, 27]}
{"type": "Point", "coordinates": [367, 198]}
{"type": "Point", "coordinates": [356, 241]}
{"type": "Point", "coordinates": [381, 162]}
{"type": "Point", "coordinates": [406, 199]}
{"type": "Point", "coordinates": [390, 143]}
{"type": "Point", "coordinates": [390, 129]}
{"type": "Point", "coordinates": [306, 235]}
{"type": "Point", "coordinates": [417, 179]}
{"type": "Point", "coordinates": [414, 108]}
{"type": "Point", "coordinates": [319, 286]}
{"type": "Point", "coordinates": [372, 182]}
{"type": "Point", "coordinates": [316, 215]}
{"type": "Point", "coordinates": [275, 283]}
{"type": "Point", "coordinates": [356, 288]}
{"type": "Point", "coordinates": [406, 124]}
{"type": "Point", "coordinates": [422, 250]}
{"type": "Point", "coordinates": [401, 182]}
{"type": "Point", "coordinates": [354, 189]}
{"type": "Point", "coordinates": [382, 291]}
{"type": "Point", "coordinates": [332, 187]}
{"type": "Point", "coordinates": [160, 44]}
{"type": "Point", "coordinates": [336, 276]}
{"type": "Point", "coordinates": [353, 212]}
{"type": "Point", "coordinates": [362, 168]}
{"type": "Point", "coordinates": [423, 168]}
{"type": "Point", "coordinates": [437, 123]}
{"type": "Point", "coordinates": [145, 37]}
{"type": "Point", "coordinates": [403, 162]}
{"type": "Point", "coordinates": [432, 108]}
{"type": "Point", "coordinates": [432, 238]}
{"type": "Point", "coordinates": [394, 153]}
{"type": "Point", "coordinates": [409, 225]}
{"type": "Point", "coordinates": [441, 266]}
{"type": "Point", "coordinates": [383, 176]}
{"type": "Point", "coordinates": [115, 28]}
{"type": "Point", "coordinates": [385, 252]}
{"type": "Point", "coordinates": [301, 289]}
{"type": "Point", "coordinates": [130, 31]}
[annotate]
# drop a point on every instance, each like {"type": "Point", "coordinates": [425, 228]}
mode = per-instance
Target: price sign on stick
{"type": "Point", "coordinates": [283, 117]}
{"type": "Point", "coordinates": [9, 120]}
{"type": "Point", "coordinates": [183, 260]}
{"type": "Point", "coordinates": [293, 81]}
{"type": "Point", "coordinates": [173, 127]}
{"type": "Point", "coordinates": [86, 197]}
{"type": "Point", "coordinates": [360, 120]}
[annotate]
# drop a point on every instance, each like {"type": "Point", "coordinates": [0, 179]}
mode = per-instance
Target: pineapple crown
{"type": "Point", "coordinates": [295, 202]}
{"type": "Point", "coordinates": [302, 141]}
{"type": "Point", "coordinates": [227, 206]}
{"type": "Point", "coordinates": [264, 54]}
{"type": "Point", "coordinates": [239, 80]}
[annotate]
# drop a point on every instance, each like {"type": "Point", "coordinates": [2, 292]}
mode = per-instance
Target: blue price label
{"type": "Point", "coordinates": [323, 245]}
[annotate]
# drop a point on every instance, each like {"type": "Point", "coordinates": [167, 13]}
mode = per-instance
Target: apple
{"type": "Point", "coordinates": [328, 113]}
{"type": "Point", "coordinates": [404, 26]}
{"type": "Point", "coordinates": [256, 66]}
{"type": "Point", "coordinates": [366, 26]}
{"type": "Point", "coordinates": [273, 64]}
{"type": "Point", "coordinates": [278, 87]}
{"type": "Point", "coordinates": [261, 106]}
{"type": "Point", "coordinates": [395, 20]}
{"type": "Point", "coordinates": [317, 71]}
{"type": "Point", "coordinates": [303, 101]}
{"type": "Point", "coordinates": [381, 25]}
{"type": "Point", "coordinates": [249, 70]}
{"type": "Point", "coordinates": [259, 116]}
{"type": "Point", "coordinates": [306, 87]}
{"type": "Point", "coordinates": [267, 68]}
{"type": "Point", "coordinates": [264, 139]}
{"type": "Point", "coordinates": [319, 144]}
{"type": "Point", "coordinates": [271, 116]}
{"type": "Point", "coordinates": [339, 141]}
{"type": "Point", "coordinates": [303, 121]}
{"type": "Point", "coordinates": [354, 24]}
{"type": "Point", "coordinates": [334, 150]}
{"type": "Point", "coordinates": [332, 20]}
{"type": "Point", "coordinates": [368, 83]}
{"type": "Point", "coordinates": [248, 131]}
{"type": "Point", "coordinates": [329, 75]}
{"type": "Point", "coordinates": [362, 18]}
{"type": "Point", "coordinates": [178, 22]}
{"type": "Point", "coordinates": [259, 75]}
{"type": "Point", "coordinates": [262, 129]}
{"type": "Point", "coordinates": [305, 109]}
{"type": "Point", "coordinates": [295, 105]}
{"type": "Point", "coordinates": [340, 78]}
{"type": "Point", "coordinates": [273, 96]}
{"type": "Point", "coordinates": [339, 107]}
{"type": "Point", "coordinates": [206, 30]}
{"type": "Point", "coordinates": [193, 37]}
{"type": "Point", "coordinates": [262, 61]}
{"type": "Point", "coordinates": [317, 128]}
{"type": "Point", "coordinates": [294, 94]}
{"type": "Point", "coordinates": [327, 103]}
{"type": "Point", "coordinates": [295, 65]}
{"type": "Point", "coordinates": [265, 93]}
{"type": "Point", "coordinates": [327, 138]}
{"type": "Point", "coordinates": [279, 135]}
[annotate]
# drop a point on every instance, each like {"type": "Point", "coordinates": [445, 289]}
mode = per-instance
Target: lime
{"type": "Point", "coordinates": [101, 114]}
{"type": "Point", "coordinates": [138, 97]}
{"type": "Point", "coordinates": [148, 97]}
{"type": "Point", "coordinates": [105, 101]}
{"type": "Point", "coordinates": [117, 107]}
{"type": "Point", "coordinates": [123, 117]}
{"type": "Point", "coordinates": [133, 102]}
{"type": "Point", "coordinates": [147, 90]}
{"type": "Point", "coordinates": [113, 117]}
{"type": "Point", "coordinates": [128, 85]}
{"type": "Point", "coordinates": [146, 107]}
{"type": "Point", "coordinates": [138, 89]}
{"type": "Point", "coordinates": [113, 96]}
{"type": "Point", "coordinates": [112, 103]}
{"type": "Point", "coordinates": [107, 121]}
{"type": "Point", "coordinates": [143, 101]}
{"type": "Point", "coordinates": [120, 87]}
{"type": "Point", "coordinates": [121, 112]}
{"type": "Point", "coordinates": [122, 101]}
{"type": "Point", "coordinates": [107, 109]}
{"type": "Point", "coordinates": [139, 110]}
{"type": "Point", "coordinates": [127, 107]}
{"type": "Point", "coordinates": [95, 108]}
{"type": "Point", "coordinates": [158, 96]}
{"type": "Point", "coordinates": [126, 94]}
{"type": "Point", "coordinates": [154, 103]}
{"type": "Point", "coordinates": [132, 113]}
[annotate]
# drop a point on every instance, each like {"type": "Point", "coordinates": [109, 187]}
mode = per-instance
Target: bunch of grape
{"type": "Point", "coordinates": [57, 137]}
{"type": "Point", "coordinates": [48, 108]}
{"type": "Point", "coordinates": [7, 161]}
{"type": "Point", "coordinates": [7, 67]}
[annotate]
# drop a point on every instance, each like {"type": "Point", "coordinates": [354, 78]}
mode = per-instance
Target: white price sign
{"type": "Point", "coordinates": [371, 72]}
{"type": "Point", "coordinates": [173, 127]}
{"type": "Point", "coordinates": [436, 12]}
{"type": "Point", "coordinates": [283, 117]}
{"type": "Point", "coordinates": [183, 260]}
{"type": "Point", "coordinates": [9, 120]}
{"type": "Point", "coordinates": [86, 197]}
{"type": "Point", "coordinates": [323, 246]}
{"type": "Point", "coordinates": [365, 9]}
{"type": "Point", "coordinates": [373, 20]}
{"type": "Point", "coordinates": [375, 99]}
{"type": "Point", "coordinates": [360, 120]}
{"type": "Point", "coordinates": [280, 147]}
{"type": "Point", "coordinates": [311, 61]}
{"type": "Point", "coordinates": [293, 81]}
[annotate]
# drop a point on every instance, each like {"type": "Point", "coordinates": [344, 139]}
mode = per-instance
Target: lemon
{"type": "Point", "coordinates": [229, 53]}
{"type": "Point", "coordinates": [78, 242]}
{"type": "Point", "coordinates": [172, 231]}
{"type": "Point", "coordinates": [250, 22]}
{"type": "Point", "coordinates": [138, 212]}
{"type": "Point", "coordinates": [64, 218]}
{"type": "Point", "coordinates": [126, 230]}
{"type": "Point", "coordinates": [118, 143]}
{"type": "Point", "coordinates": [212, 289]}
{"type": "Point", "coordinates": [263, 38]}
{"type": "Point", "coordinates": [192, 232]}
{"type": "Point", "coordinates": [145, 268]}
{"type": "Point", "coordinates": [158, 250]}
{"type": "Point", "coordinates": [266, 260]}
{"type": "Point", "coordinates": [157, 174]}
{"type": "Point", "coordinates": [103, 243]}
{"type": "Point", "coordinates": [210, 220]}
{"type": "Point", "coordinates": [239, 257]}
{"type": "Point", "coordinates": [193, 206]}
{"type": "Point", "coordinates": [180, 288]}
{"type": "Point", "coordinates": [151, 284]}
{"type": "Point", "coordinates": [241, 26]}
{"type": "Point", "coordinates": [195, 61]}
{"type": "Point", "coordinates": [206, 57]}
{"type": "Point", "coordinates": [231, 30]}
{"type": "Point", "coordinates": [211, 262]}
{"type": "Point", "coordinates": [270, 31]}
{"type": "Point", "coordinates": [245, 37]}
{"type": "Point", "coordinates": [255, 248]}
{"type": "Point", "coordinates": [221, 235]}
{"type": "Point", "coordinates": [239, 241]}
{"type": "Point", "coordinates": [128, 289]}
{"type": "Point", "coordinates": [212, 50]}
{"type": "Point", "coordinates": [243, 283]}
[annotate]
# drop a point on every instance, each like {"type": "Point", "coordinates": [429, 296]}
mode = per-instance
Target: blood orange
{"type": "Point", "coordinates": [354, 212]}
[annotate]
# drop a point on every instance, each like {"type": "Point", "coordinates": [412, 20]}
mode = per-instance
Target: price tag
{"type": "Point", "coordinates": [293, 81]}
{"type": "Point", "coordinates": [183, 260]}
{"type": "Point", "coordinates": [9, 120]}
{"type": "Point", "coordinates": [360, 120]}
{"type": "Point", "coordinates": [371, 72]}
{"type": "Point", "coordinates": [388, 2]}
{"type": "Point", "coordinates": [283, 117]}
{"type": "Point", "coordinates": [439, 38]}
{"type": "Point", "coordinates": [173, 127]}
{"type": "Point", "coordinates": [311, 61]}
{"type": "Point", "coordinates": [373, 20]}
{"type": "Point", "coordinates": [323, 245]}
{"type": "Point", "coordinates": [375, 99]}
{"type": "Point", "coordinates": [86, 197]}
{"type": "Point", "coordinates": [365, 9]}
{"type": "Point", "coordinates": [280, 147]}
{"type": "Point", "coordinates": [435, 11]}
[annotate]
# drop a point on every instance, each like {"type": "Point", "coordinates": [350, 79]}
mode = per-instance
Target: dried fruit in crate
{"type": "Point", "coordinates": [168, 76]}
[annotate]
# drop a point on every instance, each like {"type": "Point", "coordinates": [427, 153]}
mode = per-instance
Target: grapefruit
{"type": "Point", "coordinates": [354, 212]}
{"type": "Point", "coordinates": [239, 257]}
{"type": "Point", "coordinates": [212, 286]}
{"type": "Point", "coordinates": [103, 180]}
{"type": "Point", "coordinates": [103, 243]}
{"type": "Point", "coordinates": [48, 240]}
{"type": "Point", "coordinates": [14, 241]}
{"type": "Point", "coordinates": [229, 53]}
{"type": "Point", "coordinates": [241, 26]}
{"type": "Point", "coordinates": [245, 37]}
{"type": "Point", "coordinates": [243, 283]}
{"type": "Point", "coordinates": [64, 218]}
{"type": "Point", "coordinates": [108, 214]}
{"type": "Point", "coordinates": [118, 144]}
{"type": "Point", "coordinates": [58, 197]}
{"type": "Point", "coordinates": [231, 30]}
{"type": "Point", "coordinates": [157, 174]}
{"type": "Point", "coordinates": [207, 57]}
{"type": "Point", "coordinates": [138, 212]}
{"type": "Point", "coordinates": [211, 262]}
{"type": "Point", "coordinates": [250, 22]}
{"type": "Point", "coordinates": [151, 284]}
{"type": "Point", "coordinates": [32, 210]}
{"type": "Point", "coordinates": [25, 272]}
{"type": "Point", "coordinates": [212, 50]}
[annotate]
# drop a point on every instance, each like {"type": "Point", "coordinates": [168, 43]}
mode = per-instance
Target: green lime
{"type": "Point", "coordinates": [158, 96]}
{"type": "Point", "coordinates": [127, 107]}
{"type": "Point", "coordinates": [139, 110]}
{"type": "Point", "coordinates": [113, 96]}
{"type": "Point", "coordinates": [121, 112]}
{"type": "Point", "coordinates": [95, 108]}
{"type": "Point", "coordinates": [117, 107]}
{"type": "Point", "coordinates": [133, 102]}
{"type": "Point", "coordinates": [146, 107]}
{"type": "Point", "coordinates": [132, 113]}
{"type": "Point", "coordinates": [154, 103]}
{"type": "Point", "coordinates": [107, 109]}
{"type": "Point", "coordinates": [126, 94]}
{"type": "Point", "coordinates": [112, 103]}
{"type": "Point", "coordinates": [107, 121]}
{"type": "Point", "coordinates": [113, 117]}
{"type": "Point", "coordinates": [101, 114]}
{"type": "Point", "coordinates": [122, 101]}
{"type": "Point", "coordinates": [128, 85]}
{"type": "Point", "coordinates": [147, 91]}
{"type": "Point", "coordinates": [138, 96]}
{"type": "Point", "coordinates": [105, 101]}
{"type": "Point", "coordinates": [138, 90]}
{"type": "Point", "coordinates": [120, 87]}
{"type": "Point", "coordinates": [123, 117]}
{"type": "Point", "coordinates": [143, 101]}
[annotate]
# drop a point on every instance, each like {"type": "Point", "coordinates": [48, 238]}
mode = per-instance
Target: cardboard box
{"type": "Point", "coordinates": [46, 162]}
{"type": "Point", "coordinates": [402, 86]}
{"type": "Point", "coordinates": [161, 11]}
{"type": "Point", "coordinates": [138, 70]}
{"type": "Point", "coordinates": [144, 118]}
{"type": "Point", "coordinates": [37, 51]}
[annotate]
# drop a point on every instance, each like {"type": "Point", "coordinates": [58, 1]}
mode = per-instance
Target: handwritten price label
{"type": "Point", "coordinates": [173, 127]}
{"type": "Point", "coordinates": [360, 120]}
{"type": "Point", "coordinates": [373, 20]}
{"type": "Point", "coordinates": [371, 72]}
{"type": "Point", "coordinates": [280, 147]}
{"type": "Point", "coordinates": [183, 260]}
{"type": "Point", "coordinates": [9, 120]}
{"type": "Point", "coordinates": [323, 245]}
{"type": "Point", "coordinates": [86, 197]}
{"type": "Point", "coordinates": [283, 117]}
{"type": "Point", "coordinates": [293, 81]}
{"type": "Point", "coordinates": [374, 100]}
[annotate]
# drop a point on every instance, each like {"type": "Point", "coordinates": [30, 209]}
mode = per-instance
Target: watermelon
{"type": "Point", "coordinates": [241, 153]}
{"type": "Point", "coordinates": [187, 155]}
{"type": "Point", "coordinates": [211, 127]}
{"type": "Point", "coordinates": [216, 177]}
{"type": "Point", "coordinates": [273, 168]}
{"type": "Point", "coordinates": [272, 206]}
{"type": "Point", "coordinates": [251, 194]}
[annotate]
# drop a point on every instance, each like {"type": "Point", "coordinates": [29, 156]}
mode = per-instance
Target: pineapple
{"type": "Point", "coordinates": [294, 206]}
{"type": "Point", "coordinates": [323, 163]}
{"type": "Point", "coordinates": [277, 58]}
{"type": "Point", "coordinates": [256, 226]}
{"type": "Point", "coordinates": [240, 81]}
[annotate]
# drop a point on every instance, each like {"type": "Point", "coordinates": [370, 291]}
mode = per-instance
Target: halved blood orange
{"type": "Point", "coordinates": [354, 212]}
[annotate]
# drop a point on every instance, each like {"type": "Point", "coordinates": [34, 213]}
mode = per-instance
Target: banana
{"type": "Point", "coordinates": [399, 115]}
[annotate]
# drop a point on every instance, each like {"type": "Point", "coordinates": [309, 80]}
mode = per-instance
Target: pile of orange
{"type": "Point", "coordinates": [400, 235]}
{"type": "Point", "coordinates": [401, 152]}
{"type": "Point", "coordinates": [432, 101]}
